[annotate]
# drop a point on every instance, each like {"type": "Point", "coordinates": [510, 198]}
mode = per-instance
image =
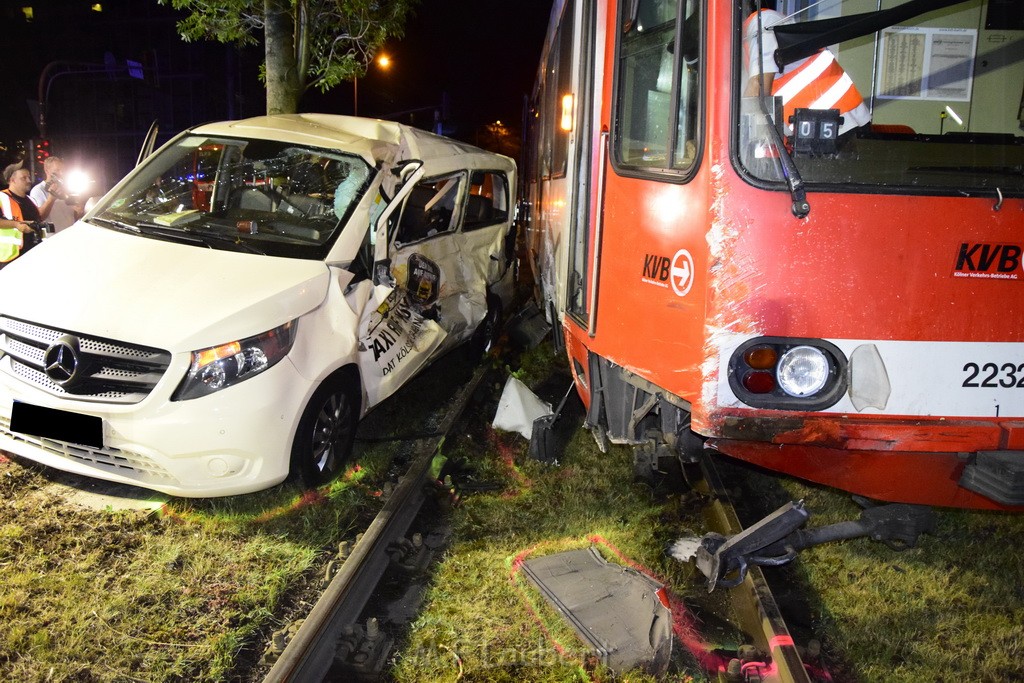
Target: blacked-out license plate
{"type": "Point", "coordinates": [60, 425]}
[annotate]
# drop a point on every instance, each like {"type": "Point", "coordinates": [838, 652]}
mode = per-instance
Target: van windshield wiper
{"type": "Point", "coordinates": [189, 235]}
{"type": "Point", "coordinates": [145, 230]}
{"type": "Point", "coordinates": [113, 224]}
{"type": "Point", "coordinates": [209, 236]}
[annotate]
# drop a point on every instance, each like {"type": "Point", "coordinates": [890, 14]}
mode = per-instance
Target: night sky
{"type": "Point", "coordinates": [481, 55]}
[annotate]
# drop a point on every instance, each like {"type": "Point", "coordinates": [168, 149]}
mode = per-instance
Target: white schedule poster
{"type": "Point", "coordinates": [927, 63]}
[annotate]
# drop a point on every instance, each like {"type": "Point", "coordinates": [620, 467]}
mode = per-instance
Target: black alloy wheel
{"type": "Point", "coordinates": [326, 432]}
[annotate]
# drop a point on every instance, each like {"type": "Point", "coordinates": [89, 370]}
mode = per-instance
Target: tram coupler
{"type": "Point", "coordinates": [724, 561]}
{"type": "Point", "coordinates": [776, 539]}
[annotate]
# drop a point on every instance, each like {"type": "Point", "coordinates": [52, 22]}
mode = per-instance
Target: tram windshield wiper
{"type": "Point", "coordinates": [790, 172]}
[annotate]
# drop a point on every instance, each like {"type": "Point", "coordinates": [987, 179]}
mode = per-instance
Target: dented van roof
{"type": "Point", "coordinates": [373, 139]}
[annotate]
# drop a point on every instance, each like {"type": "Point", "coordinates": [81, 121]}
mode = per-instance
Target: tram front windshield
{"type": "Point", "coordinates": [866, 98]}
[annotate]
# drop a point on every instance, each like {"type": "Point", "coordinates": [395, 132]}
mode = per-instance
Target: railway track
{"type": "Point", "coordinates": [312, 652]}
{"type": "Point", "coordinates": [753, 605]}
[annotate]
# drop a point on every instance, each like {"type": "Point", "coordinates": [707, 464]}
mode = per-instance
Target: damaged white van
{"type": "Point", "coordinates": [227, 313]}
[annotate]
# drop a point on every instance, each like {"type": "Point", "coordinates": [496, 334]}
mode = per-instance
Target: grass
{"type": "Point", "coordinates": [482, 620]}
{"type": "Point", "coordinates": [189, 593]}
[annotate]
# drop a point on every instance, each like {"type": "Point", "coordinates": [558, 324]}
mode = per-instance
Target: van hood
{"type": "Point", "coordinates": [177, 297]}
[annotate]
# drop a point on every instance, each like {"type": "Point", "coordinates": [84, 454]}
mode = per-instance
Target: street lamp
{"type": "Point", "coordinates": [382, 61]}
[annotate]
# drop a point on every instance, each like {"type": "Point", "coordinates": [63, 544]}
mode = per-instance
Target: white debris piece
{"type": "Point", "coordinates": [518, 408]}
{"type": "Point", "coordinates": [685, 549]}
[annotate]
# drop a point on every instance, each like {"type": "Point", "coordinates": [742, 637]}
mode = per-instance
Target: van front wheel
{"type": "Point", "coordinates": [326, 432]}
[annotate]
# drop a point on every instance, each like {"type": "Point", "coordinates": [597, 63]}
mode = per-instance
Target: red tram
{"type": "Point", "coordinates": [848, 309]}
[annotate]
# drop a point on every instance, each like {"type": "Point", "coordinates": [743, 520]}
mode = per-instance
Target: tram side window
{"type": "Point", "coordinates": [658, 85]}
{"type": "Point", "coordinates": [557, 84]}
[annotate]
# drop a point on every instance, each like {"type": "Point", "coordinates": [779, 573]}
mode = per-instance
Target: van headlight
{"type": "Point", "coordinates": [222, 366]}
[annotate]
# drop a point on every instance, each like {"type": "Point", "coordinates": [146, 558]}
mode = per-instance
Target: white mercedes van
{"type": "Point", "coordinates": [225, 314]}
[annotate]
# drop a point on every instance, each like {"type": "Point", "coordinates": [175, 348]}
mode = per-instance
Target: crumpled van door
{"type": "Point", "coordinates": [482, 237]}
{"type": "Point", "coordinates": [426, 260]}
{"type": "Point", "coordinates": [396, 340]}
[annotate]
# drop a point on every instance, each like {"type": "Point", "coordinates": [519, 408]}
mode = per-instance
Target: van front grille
{"type": "Point", "coordinates": [104, 370]}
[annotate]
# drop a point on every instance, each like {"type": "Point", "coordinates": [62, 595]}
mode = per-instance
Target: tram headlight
{"type": "Point", "coordinates": [802, 371]}
{"type": "Point", "coordinates": [786, 373]}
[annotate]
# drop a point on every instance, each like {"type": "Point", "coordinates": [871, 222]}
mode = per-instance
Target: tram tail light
{"type": "Point", "coordinates": [788, 373]}
{"type": "Point", "coordinates": [759, 382]}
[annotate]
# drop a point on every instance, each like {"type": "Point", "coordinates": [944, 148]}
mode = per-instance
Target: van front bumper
{"type": "Point", "coordinates": [234, 441]}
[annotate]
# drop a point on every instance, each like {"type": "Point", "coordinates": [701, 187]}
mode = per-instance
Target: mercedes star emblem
{"type": "Point", "coordinates": [61, 360]}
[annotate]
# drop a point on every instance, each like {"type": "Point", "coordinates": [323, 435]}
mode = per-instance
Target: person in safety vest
{"type": "Point", "coordinates": [18, 213]}
{"type": "Point", "coordinates": [815, 82]}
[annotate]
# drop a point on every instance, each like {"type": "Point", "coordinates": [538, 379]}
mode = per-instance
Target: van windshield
{"type": "Point", "coordinates": [883, 100]}
{"type": "Point", "coordinates": [261, 196]}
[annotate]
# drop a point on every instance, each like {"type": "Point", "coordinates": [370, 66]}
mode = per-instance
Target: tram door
{"type": "Point", "coordinates": [581, 117]}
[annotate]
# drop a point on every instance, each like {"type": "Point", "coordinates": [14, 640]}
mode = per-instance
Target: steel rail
{"type": "Point", "coordinates": [309, 655]}
{"type": "Point", "coordinates": [752, 602]}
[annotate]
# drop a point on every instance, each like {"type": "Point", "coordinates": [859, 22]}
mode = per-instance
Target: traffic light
{"type": "Point", "coordinates": [38, 153]}
{"type": "Point", "coordinates": [41, 150]}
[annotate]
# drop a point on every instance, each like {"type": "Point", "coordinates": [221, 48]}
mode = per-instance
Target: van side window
{"type": "Point", "coordinates": [487, 203]}
{"type": "Point", "coordinates": [429, 209]}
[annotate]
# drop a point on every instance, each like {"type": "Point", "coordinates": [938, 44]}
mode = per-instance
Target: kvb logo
{"type": "Point", "coordinates": [988, 260]}
{"type": "Point", "coordinates": [676, 272]}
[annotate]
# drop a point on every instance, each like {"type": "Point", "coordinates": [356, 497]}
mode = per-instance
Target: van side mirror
{"type": "Point", "coordinates": [403, 170]}
{"type": "Point", "coordinates": [382, 273]}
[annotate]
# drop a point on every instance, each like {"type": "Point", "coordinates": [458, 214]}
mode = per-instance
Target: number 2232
{"type": "Point", "coordinates": [992, 375]}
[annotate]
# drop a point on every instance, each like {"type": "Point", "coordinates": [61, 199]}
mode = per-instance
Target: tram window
{"type": "Point", "coordinates": [658, 78]}
{"type": "Point", "coordinates": [557, 83]}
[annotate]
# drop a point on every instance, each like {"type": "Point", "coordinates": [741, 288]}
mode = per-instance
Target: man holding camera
{"type": "Point", "coordinates": [52, 199]}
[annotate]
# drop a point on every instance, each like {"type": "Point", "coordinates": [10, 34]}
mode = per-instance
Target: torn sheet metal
{"type": "Point", "coordinates": [528, 327]}
{"type": "Point", "coordinates": [616, 609]}
{"type": "Point", "coordinates": [518, 408]}
{"type": "Point", "coordinates": [395, 342]}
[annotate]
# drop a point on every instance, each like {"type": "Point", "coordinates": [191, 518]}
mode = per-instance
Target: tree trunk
{"type": "Point", "coordinates": [283, 82]}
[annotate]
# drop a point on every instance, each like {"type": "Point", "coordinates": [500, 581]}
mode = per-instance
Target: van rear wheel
{"type": "Point", "coordinates": [326, 432]}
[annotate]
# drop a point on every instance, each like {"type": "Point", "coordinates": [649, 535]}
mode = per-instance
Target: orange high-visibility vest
{"type": "Point", "coordinates": [818, 82]}
{"type": "Point", "coordinates": [11, 240]}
